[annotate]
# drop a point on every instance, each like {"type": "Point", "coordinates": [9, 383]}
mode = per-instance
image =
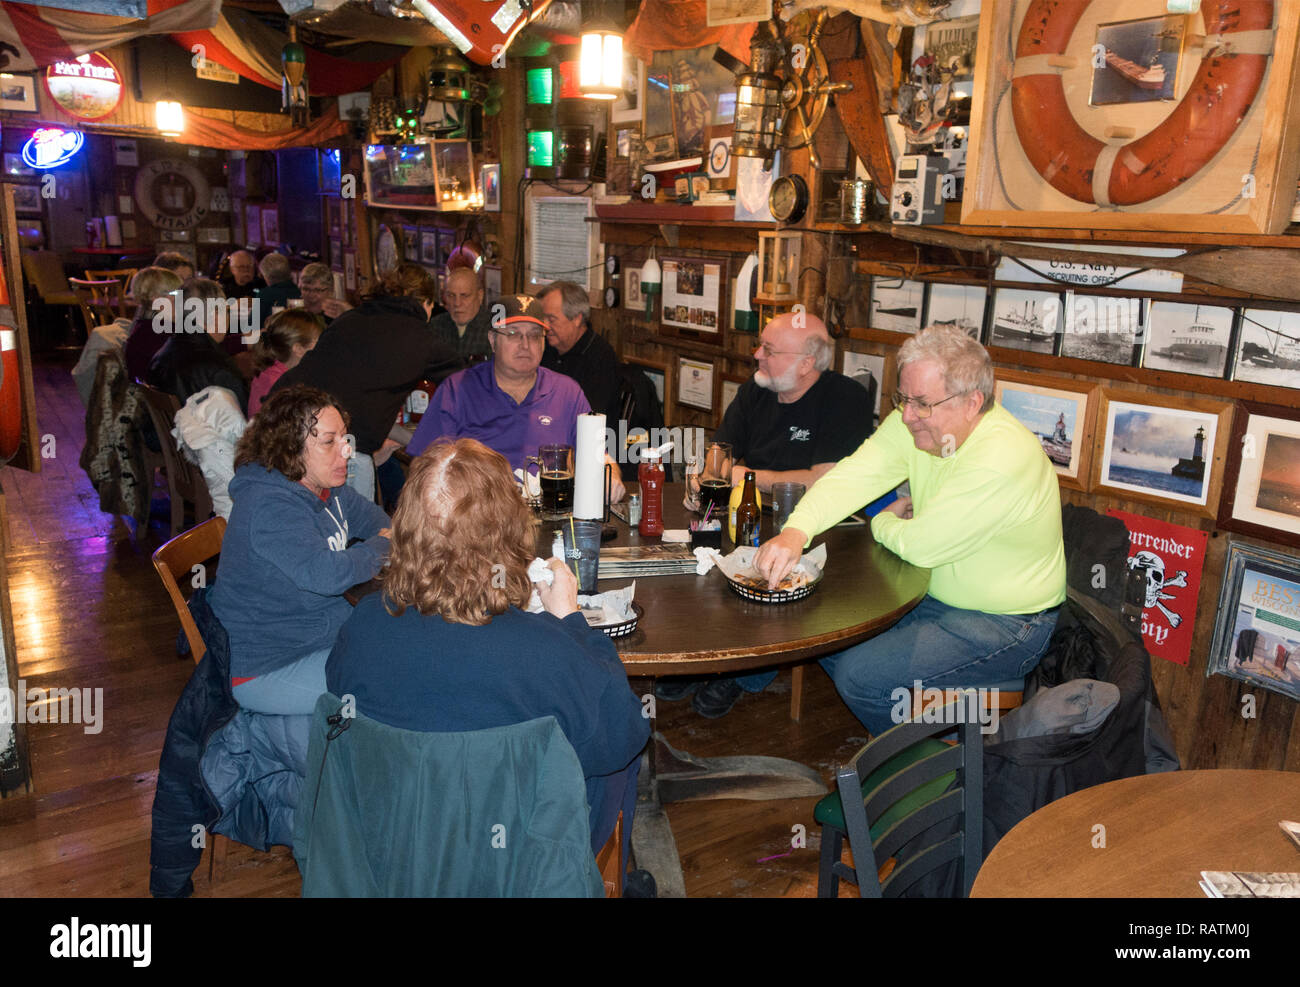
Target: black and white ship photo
{"type": "Point", "coordinates": [1269, 350]}
{"type": "Point", "coordinates": [958, 305]}
{"type": "Point", "coordinates": [896, 304]}
{"type": "Point", "coordinates": [1101, 328]}
{"type": "Point", "coordinates": [1191, 339]}
{"type": "Point", "coordinates": [1026, 320]}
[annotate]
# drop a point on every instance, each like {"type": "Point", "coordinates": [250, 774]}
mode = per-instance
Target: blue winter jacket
{"type": "Point", "coordinates": [285, 563]}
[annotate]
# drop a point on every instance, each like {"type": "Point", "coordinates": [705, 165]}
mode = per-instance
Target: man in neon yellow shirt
{"type": "Point", "coordinates": [984, 516]}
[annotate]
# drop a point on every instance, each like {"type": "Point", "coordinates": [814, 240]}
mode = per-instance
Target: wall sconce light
{"type": "Point", "coordinates": [600, 66]}
{"type": "Point", "coordinates": [169, 117]}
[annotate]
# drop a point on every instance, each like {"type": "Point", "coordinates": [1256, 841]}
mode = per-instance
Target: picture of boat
{"type": "Point", "coordinates": [1057, 445]}
{"type": "Point", "coordinates": [1197, 343]}
{"type": "Point", "coordinates": [896, 305]}
{"type": "Point", "coordinates": [959, 306]}
{"type": "Point", "coordinates": [1140, 60]}
{"type": "Point", "coordinates": [1144, 77]}
{"type": "Point", "coordinates": [1026, 325]}
{"type": "Point", "coordinates": [1189, 339]}
{"type": "Point", "coordinates": [1269, 350]}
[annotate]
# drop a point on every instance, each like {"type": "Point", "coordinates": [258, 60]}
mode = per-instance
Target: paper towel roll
{"type": "Point", "coordinates": [589, 469]}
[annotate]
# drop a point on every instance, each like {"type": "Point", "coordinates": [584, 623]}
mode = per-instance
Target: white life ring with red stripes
{"type": "Point", "coordinates": [1238, 44]}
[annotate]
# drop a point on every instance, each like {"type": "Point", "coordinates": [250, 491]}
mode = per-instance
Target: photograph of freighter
{"type": "Point", "coordinates": [1102, 328]}
{"type": "Point", "coordinates": [896, 304]}
{"type": "Point", "coordinates": [1161, 451]}
{"type": "Point", "coordinates": [958, 305]}
{"type": "Point", "coordinates": [1139, 60]}
{"type": "Point", "coordinates": [1191, 339]}
{"type": "Point", "coordinates": [1051, 415]}
{"type": "Point", "coordinates": [1026, 320]}
{"type": "Point", "coordinates": [1269, 350]}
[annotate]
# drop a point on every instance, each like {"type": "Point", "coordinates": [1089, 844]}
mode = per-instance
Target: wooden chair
{"type": "Point", "coordinates": [44, 272]}
{"type": "Point", "coordinates": [177, 558]}
{"type": "Point", "coordinates": [907, 801]}
{"type": "Point", "coordinates": [185, 482]}
{"type": "Point", "coordinates": [609, 861]}
{"type": "Point", "coordinates": [100, 301]}
{"type": "Point", "coordinates": [123, 276]}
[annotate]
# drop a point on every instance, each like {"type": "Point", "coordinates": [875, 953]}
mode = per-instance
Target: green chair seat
{"type": "Point", "coordinates": [830, 811]}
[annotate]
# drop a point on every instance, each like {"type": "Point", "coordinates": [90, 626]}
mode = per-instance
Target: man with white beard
{"type": "Point", "coordinates": [792, 421]}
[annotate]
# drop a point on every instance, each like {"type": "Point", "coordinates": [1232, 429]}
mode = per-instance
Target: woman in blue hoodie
{"type": "Point", "coordinates": [298, 536]}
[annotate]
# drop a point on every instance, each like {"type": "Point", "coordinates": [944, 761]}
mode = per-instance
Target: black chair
{"type": "Point", "coordinates": [925, 796]}
{"type": "Point", "coordinates": [639, 406]}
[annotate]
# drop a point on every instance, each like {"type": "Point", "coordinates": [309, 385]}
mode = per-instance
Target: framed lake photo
{"type": "Point", "coordinates": [1025, 320]}
{"type": "Point", "coordinates": [1189, 339]}
{"type": "Point", "coordinates": [1060, 412]}
{"type": "Point", "coordinates": [1256, 634]}
{"type": "Point", "coordinates": [1172, 454]}
{"type": "Point", "coordinates": [1261, 486]}
{"type": "Point", "coordinates": [896, 305]}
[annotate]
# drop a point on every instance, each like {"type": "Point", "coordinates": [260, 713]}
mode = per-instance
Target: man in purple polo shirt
{"type": "Point", "coordinates": [511, 403]}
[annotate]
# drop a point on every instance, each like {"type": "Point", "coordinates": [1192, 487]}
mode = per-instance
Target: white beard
{"type": "Point", "coordinates": [780, 384]}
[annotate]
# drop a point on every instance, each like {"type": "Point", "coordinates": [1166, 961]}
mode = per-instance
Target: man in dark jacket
{"type": "Point", "coordinates": [193, 358]}
{"type": "Point", "coordinates": [574, 349]}
{"type": "Point", "coordinates": [464, 326]}
{"type": "Point", "coordinates": [371, 359]}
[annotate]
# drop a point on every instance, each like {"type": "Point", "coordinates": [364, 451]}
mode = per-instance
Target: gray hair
{"type": "Point", "coordinates": [150, 283]}
{"type": "Point", "coordinates": [317, 275]}
{"type": "Point", "coordinates": [573, 297]}
{"type": "Point", "coordinates": [964, 363]}
{"type": "Point", "coordinates": [274, 268]}
{"type": "Point", "coordinates": [818, 345]}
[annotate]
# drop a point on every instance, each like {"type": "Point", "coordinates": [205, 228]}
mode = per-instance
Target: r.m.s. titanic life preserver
{"type": "Point", "coordinates": [1239, 40]}
{"type": "Point", "coordinates": [11, 391]}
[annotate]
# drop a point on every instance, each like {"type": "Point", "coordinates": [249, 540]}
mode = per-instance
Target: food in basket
{"type": "Point", "coordinates": [795, 580]}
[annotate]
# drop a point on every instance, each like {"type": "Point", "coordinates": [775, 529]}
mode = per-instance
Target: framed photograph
{"type": "Point", "coordinates": [1255, 634]}
{"type": "Point", "coordinates": [1191, 339]}
{"type": "Point", "coordinates": [253, 224]}
{"type": "Point", "coordinates": [632, 297]}
{"type": "Point", "coordinates": [271, 226]}
{"type": "Point", "coordinates": [411, 243]}
{"type": "Point", "coordinates": [698, 93]}
{"type": "Point", "coordinates": [446, 244]}
{"type": "Point", "coordinates": [1172, 454]}
{"type": "Point", "coordinates": [693, 296]}
{"type": "Point", "coordinates": [27, 200]}
{"type": "Point", "coordinates": [896, 305]}
{"type": "Point", "coordinates": [1061, 412]}
{"type": "Point", "coordinates": [658, 376]}
{"type": "Point", "coordinates": [1103, 328]}
{"type": "Point", "coordinates": [858, 366]}
{"type": "Point", "coordinates": [728, 387]}
{"type": "Point", "coordinates": [958, 305]}
{"type": "Point", "coordinates": [336, 255]}
{"type": "Point", "coordinates": [429, 248]}
{"type": "Point", "coordinates": [1025, 319]}
{"type": "Point", "coordinates": [350, 269]}
{"type": "Point", "coordinates": [627, 108]}
{"type": "Point", "coordinates": [489, 183]}
{"type": "Point", "coordinates": [491, 283]}
{"type": "Point", "coordinates": [1268, 348]}
{"type": "Point", "coordinates": [657, 119]}
{"type": "Point", "coordinates": [695, 383]}
{"type": "Point", "coordinates": [1261, 486]}
{"type": "Point", "coordinates": [1085, 117]}
{"type": "Point", "coordinates": [18, 93]}
{"type": "Point", "coordinates": [16, 167]}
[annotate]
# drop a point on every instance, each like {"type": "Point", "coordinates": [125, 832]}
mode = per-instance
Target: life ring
{"type": "Point", "coordinates": [1087, 170]}
{"type": "Point", "coordinates": [11, 392]}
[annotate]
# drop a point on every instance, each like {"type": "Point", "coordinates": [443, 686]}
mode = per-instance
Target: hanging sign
{"type": "Point", "coordinates": [172, 194]}
{"type": "Point", "coordinates": [88, 87]}
{"type": "Point", "coordinates": [50, 147]}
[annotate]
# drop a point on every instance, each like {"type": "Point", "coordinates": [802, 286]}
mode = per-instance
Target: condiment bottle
{"type": "Point", "coordinates": [749, 515]}
{"type": "Point", "coordinates": [650, 475]}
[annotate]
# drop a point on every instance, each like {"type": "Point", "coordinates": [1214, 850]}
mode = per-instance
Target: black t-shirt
{"type": "Point", "coordinates": [592, 363]}
{"type": "Point", "coordinates": [829, 422]}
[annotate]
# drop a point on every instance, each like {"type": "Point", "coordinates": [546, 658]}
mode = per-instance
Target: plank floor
{"type": "Point", "coordinates": [89, 612]}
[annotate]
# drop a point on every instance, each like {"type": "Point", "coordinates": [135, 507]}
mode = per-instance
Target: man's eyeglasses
{"type": "Point", "coordinates": [922, 408]}
{"type": "Point", "coordinates": [532, 337]}
{"type": "Point", "coordinates": [766, 350]}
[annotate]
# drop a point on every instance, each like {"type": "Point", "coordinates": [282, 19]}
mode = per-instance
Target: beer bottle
{"type": "Point", "coordinates": [748, 513]}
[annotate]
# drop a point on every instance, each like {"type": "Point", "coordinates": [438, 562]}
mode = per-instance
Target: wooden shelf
{"type": "Point", "coordinates": [1288, 240]}
{"type": "Point", "coordinates": [672, 215]}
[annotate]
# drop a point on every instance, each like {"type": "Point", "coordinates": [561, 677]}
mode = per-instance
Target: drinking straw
{"type": "Point", "coordinates": [573, 540]}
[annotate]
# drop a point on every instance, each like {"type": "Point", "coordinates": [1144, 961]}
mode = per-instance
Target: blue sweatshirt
{"type": "Point", "coordinates": [285, 564]}
{"type": "Point", "coordinates": [425, 673]}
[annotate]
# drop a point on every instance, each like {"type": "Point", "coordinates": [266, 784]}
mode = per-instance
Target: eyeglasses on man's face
{"type": "Point", "coordinates": [923, 409]}
{"type": "Point", "coordinates": [765, 350]}
{"type": "Point", "coordinates": [533, 337]}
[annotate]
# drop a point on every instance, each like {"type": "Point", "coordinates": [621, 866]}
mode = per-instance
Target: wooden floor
{"type": "Point", "coordinates": [89, 612]}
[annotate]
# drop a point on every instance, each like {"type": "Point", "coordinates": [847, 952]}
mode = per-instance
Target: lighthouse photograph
{"type": "Point", "coordinates": [1166, 452]}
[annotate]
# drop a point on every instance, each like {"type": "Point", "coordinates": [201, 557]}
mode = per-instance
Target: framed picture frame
{"type": "Point", "coordinates": [18, 94]}
{"type": "Point", "coordinates": [253, 224]}
{"type": "Point", "coordinates": [429, 248]}
{"type": "Point", "coordinates": [411, 243]}
{"type": "Point", "coordinates": [336, 255]}
{"type": "Point", "coordinates": [1188, 339]}
{"type": "Point", "coordinates": [27, 200]}
{"type": "Point", "coordinates": [1255, 637]}
{"type": "Point", "coordinates": [1103, 328]}
{"type": "Point", "coordinates": [695, 383]}
{"type": "Point", "coordinates": [1035, 161]}
{"type": "Point", "coordinates": [489, 184]}
{"type": "Point", "coordinates": [1268, 348]}
{"type": "Point", "coordinates": [1172, 454]}
{"type": "Point", "coordinates": [728, 388]}
{"type": "Point", "coordinates": [271, 226]}
{"type": "Point", "coordinates": [16, 167]}
{"type": "Point", "coordinates": [897, 305]}
{"type": "Point", "coordinates": [959, 305]}
{"type": "Point", "coordinates": [854, 365]}
{"type": "Point", "coordinates": [1025, 319]}
{"type": "Point", "coordinates": [1062, 414]}
{"type": "Point", "coordinates": [628, 107]}
{"type": "Point", "coordinates": [694, 293]}
{"type": "Point", "coordinates": [1261, 484]}
{"type": "Point", "coordinates": [350, 268]}
{"type": "Point", "coordinates": [491, 283]}
{"type": "Point", "coordinates": [659, 378]}
{"type": "Point", "coordinates": [632, 296]}
{"type": "Point", "coordinates": [446, 244]}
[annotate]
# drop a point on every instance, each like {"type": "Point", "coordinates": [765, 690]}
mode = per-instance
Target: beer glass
{"type": "Point", "coordinates": [715, 478]}
{"type": "Point", "coordinates": [555, 463]}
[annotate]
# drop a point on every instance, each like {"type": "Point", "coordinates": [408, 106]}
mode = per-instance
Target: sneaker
{"type": "Point", "coordinates": [716, 699]}
{"type": "Point", "coordinates": [639, 884]}
{"type": "Point", "coordinates": [675, 690]}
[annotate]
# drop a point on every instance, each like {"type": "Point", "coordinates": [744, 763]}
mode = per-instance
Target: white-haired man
{"type": "Point", "coordinates": [984, 516]}
{"type": "Point", "coordinates": [792, 421]}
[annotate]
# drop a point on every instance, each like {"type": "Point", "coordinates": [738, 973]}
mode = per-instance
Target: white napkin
{"type": "Point", "coordinates": [706, 559]}
{"type": "Point", "coordinates": [529, 483]}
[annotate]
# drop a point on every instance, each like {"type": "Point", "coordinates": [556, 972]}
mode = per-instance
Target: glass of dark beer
{"type": "Point", "coordinates": [556, 464]}
{"type": "Point", "coordinates": [715, 478]}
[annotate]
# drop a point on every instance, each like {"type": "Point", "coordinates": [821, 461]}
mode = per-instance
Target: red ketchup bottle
{"type": "Point", "coordinates": [650, 474]}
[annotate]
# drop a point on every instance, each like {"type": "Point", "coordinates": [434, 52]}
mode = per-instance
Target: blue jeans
{"type": "Point", "coordinates": [288, 690]}
{"type": "Point", "coordinates": [942, 646]}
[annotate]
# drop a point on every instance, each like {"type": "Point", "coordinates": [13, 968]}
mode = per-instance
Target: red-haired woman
{"type": "Point", "coordinates": [446, 646]}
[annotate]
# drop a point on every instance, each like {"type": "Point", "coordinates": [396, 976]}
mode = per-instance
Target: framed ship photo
{"type": "Point", "coordinates": [1025, 320]}
{"type": "Point", "coordinates": [896, 305]}
{"type": "Point", "coordinates": [958, 305]}
{"type": "Point", "coordinates": [1189, 339]}
{"type": "Point", "coordinates": [1268, 348]}
{"type": "Point", "coordinates": [1061, 412]}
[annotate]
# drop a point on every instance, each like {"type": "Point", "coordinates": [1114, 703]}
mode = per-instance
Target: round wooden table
{"type": "Point", "coordinates": [1160, 832]}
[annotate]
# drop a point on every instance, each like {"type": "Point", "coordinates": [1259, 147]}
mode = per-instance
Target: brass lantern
{"type": "Point", "coordinates": [448, 77]}
{"type": "Point", "coordinates": [758, 100]}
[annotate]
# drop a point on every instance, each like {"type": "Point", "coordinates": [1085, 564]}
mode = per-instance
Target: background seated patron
{"type": "Point", "coordinates": [193, 357]}
{"type": "Point", "coordinates": [288, 555]}
{"type": "Point", "coordinates": [287, 337]}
